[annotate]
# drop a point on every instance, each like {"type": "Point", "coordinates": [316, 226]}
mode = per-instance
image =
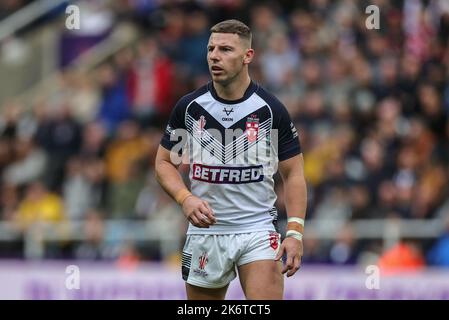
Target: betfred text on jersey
{"type": "Point", "coordinates": [231, 175]}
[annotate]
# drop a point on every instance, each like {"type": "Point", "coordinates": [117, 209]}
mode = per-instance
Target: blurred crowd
{"type": "Point", "coordinates": [371, 108]}
{"type": "Point", "coordinates": [9, 7]}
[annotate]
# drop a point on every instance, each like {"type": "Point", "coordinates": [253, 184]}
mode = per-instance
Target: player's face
{"type": "Point", "coordinates": [226, 56]}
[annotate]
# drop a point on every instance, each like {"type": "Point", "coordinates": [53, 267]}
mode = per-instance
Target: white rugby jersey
{"type": "Point", "coordinates": [233, 148]}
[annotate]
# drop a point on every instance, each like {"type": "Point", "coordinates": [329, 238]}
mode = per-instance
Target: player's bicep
{"type": "Point", "coordinates": [165, 156]}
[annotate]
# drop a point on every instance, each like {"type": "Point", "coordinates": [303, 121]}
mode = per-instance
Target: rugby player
{"type": "Point", "coordinates": [236, 135]}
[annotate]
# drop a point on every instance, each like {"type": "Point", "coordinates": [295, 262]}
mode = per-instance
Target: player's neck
{"type": "Point", "coordinates": [234, 90]}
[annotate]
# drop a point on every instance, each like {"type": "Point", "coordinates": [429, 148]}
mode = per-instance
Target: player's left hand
{"type": "Point", "coordinates": [293, 249]}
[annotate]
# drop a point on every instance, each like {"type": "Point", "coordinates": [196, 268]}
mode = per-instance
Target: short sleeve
{"type": "Point", "coordinates": [288, 140]}
{"type": "Point", "coordinates": [176, 127]}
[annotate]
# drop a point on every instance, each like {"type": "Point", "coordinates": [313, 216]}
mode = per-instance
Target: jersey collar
{"type": "Point", "coordinates": [248, 92]}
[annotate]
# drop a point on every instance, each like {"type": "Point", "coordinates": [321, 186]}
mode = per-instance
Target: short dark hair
{"type": "Point", "coordinates": [233, 26]}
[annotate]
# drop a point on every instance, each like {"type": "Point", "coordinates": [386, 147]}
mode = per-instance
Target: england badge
{"type": "Point", "coordinates": [201, 125]}
{"type": "Point", "coordinates": [252, 128]}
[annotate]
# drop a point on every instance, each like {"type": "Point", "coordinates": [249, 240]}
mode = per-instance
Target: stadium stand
{"type": "Point", "coordinates": [82, 113]}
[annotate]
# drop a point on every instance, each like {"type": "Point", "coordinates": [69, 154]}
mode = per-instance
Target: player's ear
{"type": "Point", "coordinates": [249, 54]}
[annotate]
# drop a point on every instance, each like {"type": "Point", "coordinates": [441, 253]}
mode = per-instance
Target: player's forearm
{"type": "Point", "coordinates": [296, 203]}
{"type": "Point", "coordinates": [295, 192]}
{"type": "Point", "coordinates": [170, 179]}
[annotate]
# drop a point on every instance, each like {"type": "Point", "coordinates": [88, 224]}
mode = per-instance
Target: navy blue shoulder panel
{"type": "Point", "coordinates": [177, 118]}
{"type": "Point", "coordinates": [288, 141]}
{"type": "Point", "coordinates": [181, 105]}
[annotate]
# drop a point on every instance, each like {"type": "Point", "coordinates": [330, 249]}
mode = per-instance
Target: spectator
{"type": "Point", "coordinates": [438, 254]}
{"type": "Point", "coordinates": [29, 165]}
{"type": "Point", "coordinates": [93, 248]}
{"type": "Point", "coordinates": [60, 136]}
{"type": "Point", "coordinates": [149, 82]}
{"type": "Point", "coordinates": [114, 102]}
{"type": "Point", "coordinates": [9, 201]}
{"type": "Point", "coordinates": [129, 258]}
{"type": "Point", "coordinates": [77, 190]}
{"type": "Point", "coordinates": [278, 61]}
{"type": "Point", "coordinates": [127, 148]}
{"type": "Point", "coordinates": [39, 205]}
{"type": "Point", "coordinates": [402, 257]}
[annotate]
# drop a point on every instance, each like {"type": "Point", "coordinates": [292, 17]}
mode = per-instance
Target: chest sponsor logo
{"type": "Point", "coordinates": [227, 175]}
{"type": "Point", "coordinates": [228, 111]}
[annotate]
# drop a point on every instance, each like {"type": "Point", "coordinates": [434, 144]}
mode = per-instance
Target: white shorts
{"type": "Point", "coordinates": [210, 261]}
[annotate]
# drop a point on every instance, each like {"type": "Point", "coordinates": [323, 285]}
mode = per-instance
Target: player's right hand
{"type": "Point", "coordinates": [198, 212]}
